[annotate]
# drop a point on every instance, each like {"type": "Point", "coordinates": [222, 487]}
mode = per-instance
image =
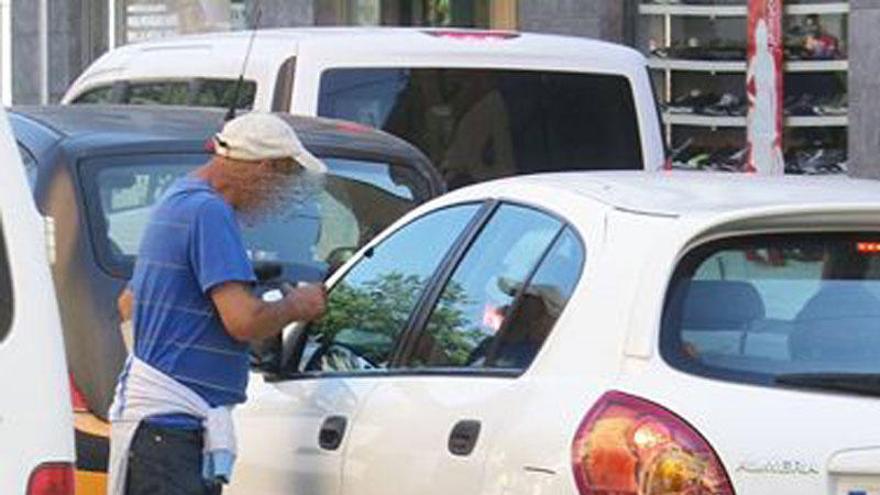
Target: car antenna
{"type": "Point", "coordinates": [238, 84]}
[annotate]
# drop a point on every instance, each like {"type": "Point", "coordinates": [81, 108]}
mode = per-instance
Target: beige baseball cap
{"type": "Point", "coordinates": [258, 136]}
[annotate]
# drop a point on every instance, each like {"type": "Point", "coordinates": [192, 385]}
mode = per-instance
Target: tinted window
{"type": "Point", "coordinates": [5, 291]}
{"type": "Point", "coordinates": [370, 307]}
{"type": "Point", "coordinates": [103, 94]}
{"type": "Point", "coordinates": [221, 92]}
{"type": "Point", "coordinates": [158, 93]}
{"type": "Point", "coordinates": [30, 165]}
{"type": "Point", "coordinates": [478, 124]}
{"type": "Point", "coordinates": [539, 306]}
{"type": "Point", "coordinates": [357, 200]}
{"type": "Point", "coordinates": [479, 297]}
{"type": "Point", "coordinates": [757, 308]}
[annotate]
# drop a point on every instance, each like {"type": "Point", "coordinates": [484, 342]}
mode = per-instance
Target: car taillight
{"type": "Point", "coordinates": [627, 445]}
{"type": "Point", "coordinates": [77, 397]}
{"type": "Point", "coordinates": [52, 479]}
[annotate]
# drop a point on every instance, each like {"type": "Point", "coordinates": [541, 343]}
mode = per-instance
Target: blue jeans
{"type": "Point", "coordinates": [167, 461]}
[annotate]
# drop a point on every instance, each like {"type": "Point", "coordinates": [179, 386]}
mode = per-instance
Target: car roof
{"type": "Point", "coordinates": [431, 39]}
{"type": "Point", "coordinates": [272, 45]}
{"type": "Point", "coordinates": [104, 129]}
{"type": "Point", "coordinates": [681, 193]}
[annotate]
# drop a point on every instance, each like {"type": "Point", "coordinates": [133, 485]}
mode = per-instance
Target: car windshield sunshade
{"type": "Point", "coordinates": [480, 124]}
{"type": "Point", "coordinates": [796, 310]}
{"type": "Point", "coordinates": [304, 235]}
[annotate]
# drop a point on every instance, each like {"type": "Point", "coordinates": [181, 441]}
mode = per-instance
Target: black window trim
{"type": "Point", "coordinates": [7, 286]}
{"type": "Point", "coordinates": [415, 327]}
{"type": "Point", "coordinates": [282, 96]}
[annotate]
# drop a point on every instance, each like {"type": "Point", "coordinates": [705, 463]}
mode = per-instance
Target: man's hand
{"type": "Point", "coordinates": [310, 301]}
{"type": "Point", "coordinates": [247, 318]}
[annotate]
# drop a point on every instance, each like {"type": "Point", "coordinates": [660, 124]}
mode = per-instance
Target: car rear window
{"type": "Point", "coordinates": [191, 92]}
{"type": "Point", "coordinates": [764, 309]}
{"type": "Point", "coordinates": [356, 201]}
{"type": "Point", "coordinates": [480, 124]}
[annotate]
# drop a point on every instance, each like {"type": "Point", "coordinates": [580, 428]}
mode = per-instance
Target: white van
{"type": "Point", "coordinates": [480, 104]}
{"type": "Point", "coordinates": [36, 424]}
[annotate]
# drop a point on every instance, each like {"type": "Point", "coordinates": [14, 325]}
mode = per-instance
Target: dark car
{"type": "Point", "coordinates": [97, 171]}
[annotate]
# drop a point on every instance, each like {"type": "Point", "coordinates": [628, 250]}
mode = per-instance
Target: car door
{"type": "Point", "coordinates": [293, 432]}
{"type": "Point", "coordinates": [429, 427]}
{"type": "Point", "coordinates": [36, 443]}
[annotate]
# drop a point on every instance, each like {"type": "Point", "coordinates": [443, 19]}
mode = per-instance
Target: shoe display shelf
{"type": "Point", "coordinates": [696, 51]}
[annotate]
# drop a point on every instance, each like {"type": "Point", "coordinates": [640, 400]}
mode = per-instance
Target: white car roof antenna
{"type": "Point", "coordinates": [236, 94]}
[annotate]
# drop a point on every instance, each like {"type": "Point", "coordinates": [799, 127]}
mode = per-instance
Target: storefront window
{"type": "Point", "coordinates": [435, 13]}
{"type": "Point", "coordinates": [151, 19]}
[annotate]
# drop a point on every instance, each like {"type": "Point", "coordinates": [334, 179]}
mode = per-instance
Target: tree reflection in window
{"type": "Point", "coordinates": [370, 307]}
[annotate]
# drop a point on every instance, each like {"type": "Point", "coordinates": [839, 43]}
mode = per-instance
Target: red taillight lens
{"type": "Point", "coordinates": [627, 445]}
{"type": "Point", "coordinates": [76, 397]}
{"type": "Point", "coordinates": [52, 479]}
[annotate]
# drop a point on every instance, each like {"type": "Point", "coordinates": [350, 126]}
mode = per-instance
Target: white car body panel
{"type": "Point", "coordinates": [636, 227]}
{"type": "Point", "coordinates": [36, 423]}
{"type": "Point", "coordinates": [220, 55]}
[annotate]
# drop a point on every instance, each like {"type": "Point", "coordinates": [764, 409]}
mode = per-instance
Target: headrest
{"type": "Point", "coordinates": [719, 304]}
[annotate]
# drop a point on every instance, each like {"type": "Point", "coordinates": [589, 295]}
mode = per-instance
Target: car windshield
{"type": "Point", "coordinates": [355, 202]}
{"type": "Point", "coordinates": [763, 309]}
{"type": "Point", "coordinates": [480, 124]}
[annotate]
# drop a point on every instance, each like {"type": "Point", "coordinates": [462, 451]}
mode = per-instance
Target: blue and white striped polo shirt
{"type": "Point", "coordinates": [192, 244]}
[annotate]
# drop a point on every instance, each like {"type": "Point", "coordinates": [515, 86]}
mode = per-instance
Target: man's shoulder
{"type": "Point", "coordinates": [194, 198]}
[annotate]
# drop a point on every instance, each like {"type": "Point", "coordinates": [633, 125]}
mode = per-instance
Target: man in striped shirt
{"type": "Point", "coordinates": [190, 297]}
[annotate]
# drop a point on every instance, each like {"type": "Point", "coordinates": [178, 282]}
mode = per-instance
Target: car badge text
{"type": "Point", "coordinates": [780, 467]}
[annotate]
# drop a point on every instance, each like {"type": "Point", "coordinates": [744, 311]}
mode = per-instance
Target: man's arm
{"type": "Point", "coordinates": [247, 318]}
{"type": "Point", "coordinates": [125, 304]}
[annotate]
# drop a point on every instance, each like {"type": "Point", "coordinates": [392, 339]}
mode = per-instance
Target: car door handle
{"type": "Point", "coordinates": [332, 432]}
{"type": "Point", "coordinates": [464, 436]}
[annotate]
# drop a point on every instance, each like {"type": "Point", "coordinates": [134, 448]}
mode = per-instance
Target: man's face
{"type": "Point", "coordinates": [263, 187]}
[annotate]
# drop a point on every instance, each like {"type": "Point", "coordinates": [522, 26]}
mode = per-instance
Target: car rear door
{"type": "Point", "coordinates": [429, 427]}
{"type": "Point", "coordinates": [294, 432]}
{"type": "Point", "coordinates": [36, 450]}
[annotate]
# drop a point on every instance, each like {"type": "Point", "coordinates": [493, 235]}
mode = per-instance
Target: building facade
{"type": "Point", "coordinates": [45, 44]}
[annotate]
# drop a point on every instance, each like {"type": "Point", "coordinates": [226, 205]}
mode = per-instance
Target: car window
{"type": "Point", "coordinates": [311, 232]}
{"type": "Point", "coordinates": [30, 165]}
{"type": "Point", "coordinates": [368, 309]}
{"type": "Point", "coordinates": [479, 297]}
{"type": "Point", "coordinates": [757, 308]}
{"type": "Point", "coordinates": [220, 93]}
{"type": "Point", "coordinates": [5, 290]}
{"type": "Point", "coordinates": [158, 93]}
{"type": "Point", "coordinates": [538, 306]}
{"type": "Point", "coordinates": [101, 94]}
{"type": "Point", "coordinates": [480, 124]}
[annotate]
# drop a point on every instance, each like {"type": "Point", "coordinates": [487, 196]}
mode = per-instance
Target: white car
{"type": "Point", "coordinates": [590, 333]}
{"type": "Point", "coordinates": [36, 424]}
{"type": "Point", "coordinates": [480, 104]}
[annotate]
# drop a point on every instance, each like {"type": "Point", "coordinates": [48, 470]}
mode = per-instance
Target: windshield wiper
{"type": "Point", "coordinates": [856, 383]}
